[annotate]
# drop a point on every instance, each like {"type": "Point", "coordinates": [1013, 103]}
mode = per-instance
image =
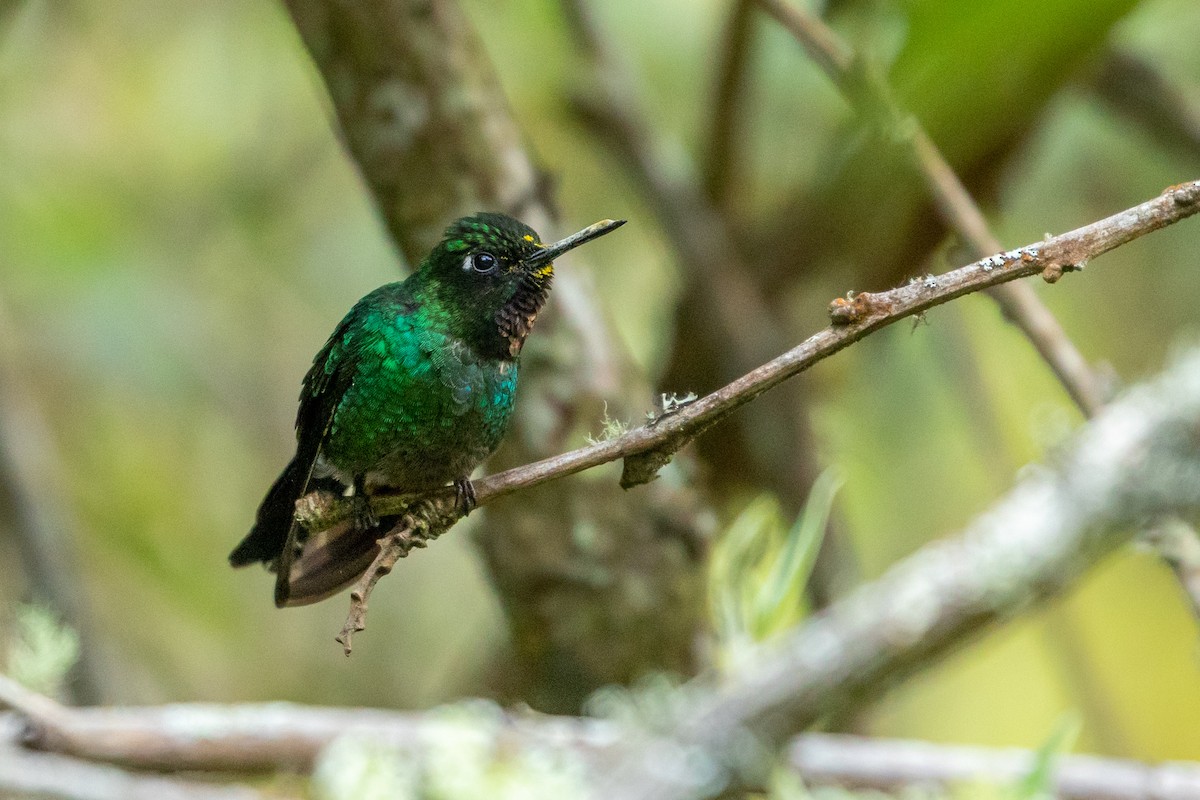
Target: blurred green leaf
{"type": "Point", "coordinates": [1039, 783]}
{"type": "Point", "coordinates": [758, 571]}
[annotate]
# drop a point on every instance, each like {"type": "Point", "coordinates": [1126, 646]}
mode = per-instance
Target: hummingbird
{"type": "Point", "coordinates": [412, 391]}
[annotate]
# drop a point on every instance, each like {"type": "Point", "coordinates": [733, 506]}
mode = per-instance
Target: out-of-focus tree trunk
{"type": "Point", "coordinates": [599, 586]}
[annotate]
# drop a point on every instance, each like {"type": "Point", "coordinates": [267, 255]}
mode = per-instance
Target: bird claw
{"type": "Point", "coordinates": [464, 495]}
{"type": "Point", "coordinates": [363, 515]}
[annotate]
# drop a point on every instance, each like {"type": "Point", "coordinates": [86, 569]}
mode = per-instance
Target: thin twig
{"type": "Point", "coordinates": [872, 97]}
{"type": "Point", "coordinates": [855, 317]}
{"type": "Point", "coordinates": [393, 546]}
{"type": "Point", "coordinates": [1179, 546]}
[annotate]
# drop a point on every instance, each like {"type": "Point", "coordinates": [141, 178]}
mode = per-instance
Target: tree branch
{"type": "Point", "coordinates": [854, 318]}
{"type": "Point", "coordinates": [1137, 461]}
{"type": "Point", "coordinates": [48, 775]}
{"type": "Point", "coordinates": [283, 737]}
{"type": "Point", "coordinates": [727, 107]}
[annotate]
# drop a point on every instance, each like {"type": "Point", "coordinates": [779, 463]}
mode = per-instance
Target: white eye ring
{"type": "Point", "coordinates": [482, 263]}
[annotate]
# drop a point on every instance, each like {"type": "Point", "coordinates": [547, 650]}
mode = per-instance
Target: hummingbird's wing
{"type": "Point", "coordinates": [325, 384]}
{"type": "Point", "coordinates": [273, 539]}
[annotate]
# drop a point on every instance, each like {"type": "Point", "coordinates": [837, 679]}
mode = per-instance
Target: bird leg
{"type": "Point", "coordinates": [363, 515]}
{"type": "Point", "coordinates": [464, 495]}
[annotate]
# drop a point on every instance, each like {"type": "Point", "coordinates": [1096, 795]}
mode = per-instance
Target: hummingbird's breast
{"type": "Point", "coordinates": [424, 409]}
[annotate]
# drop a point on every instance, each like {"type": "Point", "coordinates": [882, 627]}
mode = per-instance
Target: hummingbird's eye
{"type": "Point", "coordinates": [483, 262]}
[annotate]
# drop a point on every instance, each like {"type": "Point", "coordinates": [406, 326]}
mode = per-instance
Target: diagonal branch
{"type": "Point", "coordinates": [1144, 96]}
{"type": "Point", "coordinates": [854, 318]}
{"type": "Point", "coordinates": [647, 449]}
{"type": "Point", "coordinates": [1137, 461]}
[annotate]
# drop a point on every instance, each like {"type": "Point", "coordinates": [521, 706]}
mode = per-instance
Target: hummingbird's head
{"type": "Point", "coordinates": [498, 273]}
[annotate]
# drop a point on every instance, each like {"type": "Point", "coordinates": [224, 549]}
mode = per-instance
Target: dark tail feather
{"type": "Point", "coordinates": [331, 560]}
{"type": "Point", "coordinates": [270, 532]}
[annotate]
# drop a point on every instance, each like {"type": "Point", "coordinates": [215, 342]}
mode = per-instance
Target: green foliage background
{"type": "Point", "coordinates": [180, 230]}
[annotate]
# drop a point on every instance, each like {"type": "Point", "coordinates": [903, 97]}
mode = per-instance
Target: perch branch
{"type": "Point", "coordinates": [648, 448]}
{"type": "Point", "coordinates": [872, 97]}
{"type": "Point", "coordinates": [420, 109]}
{"type": "Point", "coordinates": [854, 317]}
{"type": "Point", "coordinates": [1138, 461]}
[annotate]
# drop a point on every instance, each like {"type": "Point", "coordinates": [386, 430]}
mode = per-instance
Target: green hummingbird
{"type": "Point", "coordinates": [414, 389]}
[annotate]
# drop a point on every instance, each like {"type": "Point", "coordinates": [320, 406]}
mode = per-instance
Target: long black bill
{"type": "Point", "coordinates": [553, 251]}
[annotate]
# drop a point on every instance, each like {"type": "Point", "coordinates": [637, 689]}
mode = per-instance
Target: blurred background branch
{"type": "Point", "coordinates": [1139, 460]}
{"type": "Point", "coordinates": [279, 737]}
{"type": "Point", "coordinates": [873, 101]}
{"type": "Point", "coordinates": [1141, 94]}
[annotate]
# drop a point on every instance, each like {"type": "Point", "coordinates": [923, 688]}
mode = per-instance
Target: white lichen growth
{"type": "Point", "coordinates": [41, 651]}
{"type": "Point", "coordinates": [461, 753]}
{"type": "Point", "coordinates": [610, 429]}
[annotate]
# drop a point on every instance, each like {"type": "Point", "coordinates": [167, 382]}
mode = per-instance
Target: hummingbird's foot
{"type": "Point", "coordinates": [464, 495]}
{"type": "Point", "coordinates": [363, 515]}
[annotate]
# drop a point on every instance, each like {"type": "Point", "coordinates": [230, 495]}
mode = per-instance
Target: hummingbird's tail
{"type": "Point", "coordinates": [332, 559]}
{"type": "Point", "coordinates": [270, 532]}
{"type": "Point", "coordinates": [323, 562]}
